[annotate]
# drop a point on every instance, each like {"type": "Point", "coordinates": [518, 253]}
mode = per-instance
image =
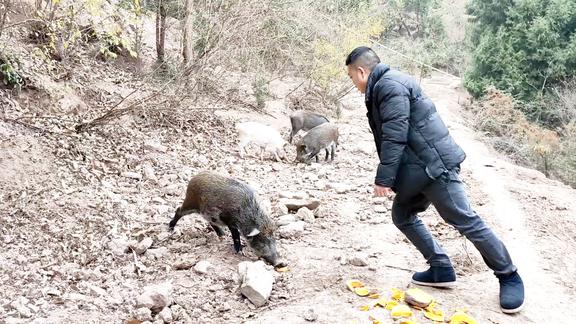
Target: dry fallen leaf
{"type": "Point", "coordinates": [434, 314]}
{"type": "Point", "coordinates": [397, 294]}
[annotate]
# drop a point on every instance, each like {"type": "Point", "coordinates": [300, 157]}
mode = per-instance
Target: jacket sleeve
{"type": "Point", "coordinates": [394, 108]}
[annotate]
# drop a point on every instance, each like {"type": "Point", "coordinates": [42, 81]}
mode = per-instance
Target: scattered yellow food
{"type": "Point", "coordinates": [374, 296]}
{"type": "Point", "coordinates": [401, 311]}
{"type": "Point", "coordinates": [374, 320]}
{"type": "Point", "coordinates": [282, 269]}
{"type": "Point", "coordinates": [417, 297]}
{"type": "Point", "coordinates": [362, 291]}
{"type": "Point", "coordinates": [380, 303]}
{"type": "Point", "coordinates": [460, 317]}
{"type": "Point", "coordinates": [407, 321]}
{"type": "Point", "coordinates": [364, 308]}
{"type": "Point", "coordinates": [391, 304]}
{"type": "Point", "coordinates": [397, 294]}
{"type": "Point", "coordinates": [352, 284]}
{"type": "Point", "coordinates": [434, 314]}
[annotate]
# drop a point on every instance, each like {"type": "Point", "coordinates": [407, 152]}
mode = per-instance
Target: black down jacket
{"type": "Point", "coordinates": [407, 129]}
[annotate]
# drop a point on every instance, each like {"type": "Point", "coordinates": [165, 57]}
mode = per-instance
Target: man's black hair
{"type": "Point", "coordinates": [363, 56]}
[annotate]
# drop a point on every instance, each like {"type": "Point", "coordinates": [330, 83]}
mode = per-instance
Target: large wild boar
{"type": "Point", "coordinates": [305, 120]}
{"type": "Point", "coordinates": [224, 201]}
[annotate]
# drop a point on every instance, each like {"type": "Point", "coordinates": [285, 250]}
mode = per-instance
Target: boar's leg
{"type": "Point", "coordinates": [235, 238]}
{"type": "Point", "coordinates": [333, 152]}
{"type": "Point", "coordinates": [327, 154]}
{"type": "Point", "coordinates": [218, 230]}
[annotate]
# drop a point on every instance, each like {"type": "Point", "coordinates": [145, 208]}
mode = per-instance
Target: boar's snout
{"type": "Point", "coordinates": [265, 247]}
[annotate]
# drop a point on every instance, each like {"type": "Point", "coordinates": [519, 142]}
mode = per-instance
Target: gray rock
{"type": "Point", "coordinates": [142, 246]}
{"type": "Point", "coordinates": [359, 260]}
{"type": "Point", "coordinates": [158, 253]}
{"type": "Point", "coordinates": [292, 230]}
{"type": "Point", "coordinates": [310, 315]}
{"type": "Point", "coordinates": [295, 204]}
{"type": "Point", "coordinates": [300, 195]}
{"type": "Point", "coordinates": [286, 194]}
{"type": "Point", "coordinates": [131, 175]}
{"type": "Point", "coordinates": [166, 315]}
{"type": "Point", "coordinates": [143, 314]}
{"type": "Point", "coordinates": [203, 267]}
{"type": "Point", "coordinates": [286, 219]}
{"type": "Point", "coordinates": [380, 209]}
{"type": "Point", "coordinates": [340, 188]}
{"type": "Point", "coordinates": [118, 246]}
{"type": "Point", "coordinates": [256, 281]}
{"type": "Point", "coordinates": [155, 297]}
{"type": "Point", "coordinates": [305, 214]}
{"type": "Point", "coordinates": [149, 172]}
{"type": "Point", "coordinates": [20, 305]}
{"type": "Point", "coordinates": [154, 146]}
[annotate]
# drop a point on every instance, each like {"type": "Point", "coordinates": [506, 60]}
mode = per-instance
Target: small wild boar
{"type": "Point", "coordinates": [324, 136]}
{"type": "Point", "coordinates": [265, 137]}
{"type": "Point", "coordinates": [224, 201]}
{"type": "Point", "coordinates": [305, 120]}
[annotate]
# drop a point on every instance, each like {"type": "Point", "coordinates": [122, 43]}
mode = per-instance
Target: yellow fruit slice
{"type": "Point", "coordinates": [417, 297]}
{"type": "Point", "coordinates": [374, 296]}
{"type": "Point", "coordinates": [282, 269]}
{"type": "Point", "coordinates": [460, 317]}
{"type": "Point", "coordinates": [407, 321]}
{"type": "Point", "coordinates": [391, 304]}
{"type": "Point", "coordinates": [397, 294]}
{"type": "Point", "coordinates": [434, 314]}
{"type": "Point", "coordinates": [380, 303]}
{"type": "Point", "coordinates": [362, 291]}
{"type": "Point", "coordinates": [364, 308]}
{"type": "Point", "coordinates": [352, 284]}
{"type": "Point", "coordinates": [401, 311]}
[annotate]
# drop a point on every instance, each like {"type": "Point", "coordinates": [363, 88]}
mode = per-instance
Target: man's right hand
{"type": "Point", "coordinates": [380, 191]}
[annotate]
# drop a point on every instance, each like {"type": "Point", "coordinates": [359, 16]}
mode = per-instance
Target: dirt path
{"type": "Point", "coordinates": [64, 223]}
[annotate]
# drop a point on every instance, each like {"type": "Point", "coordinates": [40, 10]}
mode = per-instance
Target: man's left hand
{"type": "Point", "coordinates": [380, 191]}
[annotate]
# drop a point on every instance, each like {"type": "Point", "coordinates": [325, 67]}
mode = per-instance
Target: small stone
{"type": "Point", "coordinates": [340, 188]}
{"type": "Point", "coordinates": [143, 314]}
{"type": "Point", "coordinates": [158, 253]}
{"type": "Point", "coordinates": [380, 209]}
{"type": "Point", "coordinates": [310, 315]}
{"type": "Point", "coordinates": [131, 175]}
{"type": "Point", "coordinates": [166, 315]}
{"type": "Point", "coordinates": [359, 260]}
{"type": "Point", "coordinates": [154, 146]}
{"type": "Point", "coordinates": [295, 204]}
{"type": "Point", "coordinates": [20, 305]}
{"type": "Point", "coordinates": [155, 297]}
{"type": "Point", "coordinates": [305, 214]}
{"type": "Point", "coordinates": [142, 246]}
{"type": "Point", "coordinates": [183, 265]}
{"type": "Point", "coordinates": [256, 281]}
{"type": "Point", "coordinates": [149, 172]}
{"type": "Point", "coordinates": [300, 195]}
{"type": "Point", "coordinates": [285, 220]}
{"type": "Point", "coordinates": [118, 246]}
{"type": "Point", "coordinates": [277, 167]}
{"type": "Point", "coordinates": [202, 267]}
{"type": "Point", "coordinates": [311, 176]}
{"type": "Point", "coordinates": [286, 194]}
{"type": "Point", "coordinates": [163, 236]}
{"type": "Point", "coordinates": [98, 291]}
{"type": "Point", "coordinates": [292, 230]}
{"type": "Point", "coordinates": [347, 211]}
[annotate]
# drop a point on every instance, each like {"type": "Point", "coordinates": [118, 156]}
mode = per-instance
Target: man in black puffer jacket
{"type": "Point", "coordinates": [420, 163]}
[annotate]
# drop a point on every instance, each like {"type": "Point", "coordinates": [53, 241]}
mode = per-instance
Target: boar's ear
{"type": "Point", "coordinates": [254, 232]}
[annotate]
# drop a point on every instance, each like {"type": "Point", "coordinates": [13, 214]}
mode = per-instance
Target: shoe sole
{"type": "Point", "coordinates": [512, 311]}
{"type": "Point", "coordinates": [449, 284]}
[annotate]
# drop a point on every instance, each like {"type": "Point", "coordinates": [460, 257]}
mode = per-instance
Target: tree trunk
{"type": "Point", "coordinates": [160, 30]}
{"type": "Point", "coordinates": [187, 39]}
